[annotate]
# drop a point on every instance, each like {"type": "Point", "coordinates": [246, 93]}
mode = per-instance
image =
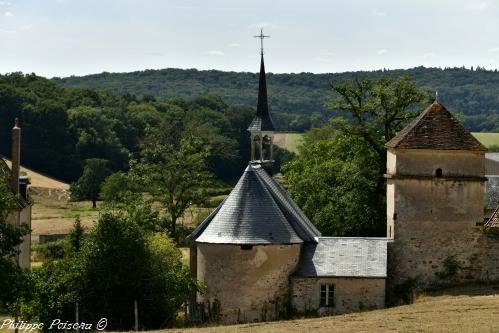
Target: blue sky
{"type": "Point", "coordinates": [64, 37]}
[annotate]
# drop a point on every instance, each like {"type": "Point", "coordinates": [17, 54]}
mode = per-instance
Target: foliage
{"type": "Point", "coordinates": [117, 187]}
{"type": "Point", "coordinates": [118, 262]}
{"type": "Point", "coordinates": [450, 268]}
{"type": "Point", "coordinates": [297, 100]}
{"type": "Point", "coordinates": [10, 236]}
{"type": "Point", "coordinates": [76, 236]}
{"type": "Point", "coordinates": [53, 250]}
{"type": "Point", "coordinates": [338, 178]}
{"type": "Point", "coordinates": [89, 184]}
{"type": "Point", "coordinates": [177, 177]}
{"type": "Point", "coordinates": [334, 181]}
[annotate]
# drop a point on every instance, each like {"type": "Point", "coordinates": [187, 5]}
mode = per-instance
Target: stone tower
{"type": "Point", "coordinates": [246, 249]}
{"type": "Point", "coordinates": [435, 199]}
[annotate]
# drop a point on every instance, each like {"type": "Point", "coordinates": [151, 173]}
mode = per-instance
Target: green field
{"type": "Point", "coordinates": [489, 140]}
{"type": "Point", "coordinates": [291, 141]}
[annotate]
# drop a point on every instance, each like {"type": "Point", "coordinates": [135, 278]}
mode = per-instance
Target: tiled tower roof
{"type": "Point", "coordinates": [435, 128]}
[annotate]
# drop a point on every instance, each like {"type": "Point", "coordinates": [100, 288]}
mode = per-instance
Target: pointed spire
{"type": "Point", "coordinates": [262, 107]}
{"type": "Point", "coordinates": [263, 120]}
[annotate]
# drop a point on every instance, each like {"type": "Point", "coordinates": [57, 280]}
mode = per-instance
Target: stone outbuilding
{"type": "Point", "coordinates": [339, 275]}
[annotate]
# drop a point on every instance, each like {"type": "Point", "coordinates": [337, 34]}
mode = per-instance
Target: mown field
{"type": "Point", "coordinates": [291, 141]}
{"type": "Point", "coordinates": [471, 309]}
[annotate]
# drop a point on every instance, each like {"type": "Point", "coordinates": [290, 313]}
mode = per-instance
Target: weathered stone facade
{"type": "Point", "coordinates": [18, 217]}
{"type": "Point", "coordinates": [250, 284]}
{"type": "Point", "coordinates": [436, 215]}
{"type": "Point", "coordinates": [351, 295]}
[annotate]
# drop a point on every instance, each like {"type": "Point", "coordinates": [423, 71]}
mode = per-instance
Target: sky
{"type": "Point", "coordinates": [78, 37]}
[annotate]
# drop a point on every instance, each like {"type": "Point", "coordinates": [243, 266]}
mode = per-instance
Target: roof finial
{"type": "Point", "coordinates": [436, 96]}
{"type": "Point", "coordinates": [261, 36]}
{"type": "Point", "coordinates": [16, 122]}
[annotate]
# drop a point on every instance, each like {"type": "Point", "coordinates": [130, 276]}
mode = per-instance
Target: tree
{"type": "Point", "coordinates": [10, 237]}
{"type": "Point", "coordinates": [175, 177]}
{"type": "Point", "coordinates": [118, 263]}
{"type": "Point", "coordinates": [338, 178]}
{"type": "Point", "coordinates": [334, 181]}
{"type": "Point", "coordinates": [117, 187]}
{"type": "Point", "coordinates": [375, 111]}
{"type": "Point", "coordinates": [88, 185]}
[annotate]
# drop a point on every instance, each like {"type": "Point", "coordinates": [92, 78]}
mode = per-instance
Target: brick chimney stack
{"type": "Point", "coordinates": [16, 156]}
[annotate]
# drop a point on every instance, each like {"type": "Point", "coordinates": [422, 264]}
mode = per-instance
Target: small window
{"type": "Point", "coordinates": [327, 295]}
{"type": "Point", "coordinates": [246, 247]}
{"type": "Point", "coordinates": [438, 172]}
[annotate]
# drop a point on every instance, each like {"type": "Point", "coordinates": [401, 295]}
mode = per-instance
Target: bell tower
{"type": "Point", "coordinates": [262, 127]}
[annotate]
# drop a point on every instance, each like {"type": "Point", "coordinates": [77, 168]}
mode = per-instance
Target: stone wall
{"type": "Point", "coordinates": [250, 284]}
{"type": "Point", "coordinates": [18, 217]}
{"type": "Point", "coordinates": [351, 294]}
{"type": "Point", "coordinates": [423, 162]}
{"type": "Point", "coordinates": [435, 220]}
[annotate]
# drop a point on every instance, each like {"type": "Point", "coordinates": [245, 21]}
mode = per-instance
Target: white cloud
{"type": "Point", "coordinates": [494, 49]}
{"type": "Point", "coordinates": [376, 13]}
{"type": "Point", "coordinates": [327, 54]}
{"type": "Point", "coordinates": [428, 55]}
{"type": "Point", "coordinates": [234, 45]}
{"type": "Point", "coordinates": [382, 51]}
{"type": "Point", "coordinates": [5, 31]}
{"type": "Point", "coordinates": [263, 25]}
{"type": "Point", "coordinates": [214, 53]}
{"type": "Point", "coordinates": [478, 5]}
{"type": "Point", "coordinates": [5, 3]}
{"type": "Point", "coordinates": [8, 14]}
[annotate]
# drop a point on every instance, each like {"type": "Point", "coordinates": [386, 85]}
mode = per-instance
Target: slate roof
{"type": "Point", "coordinates": [492, 164]}
{"type": "Point", "coordinates": [344, 257]}
{"type": "Point", "coordinates": [491, 192]}
{"type": "Point", "coordinates": [435, 128]}
{"type": "Point", "coordinates": [257, 211]}
{"type": "Point", "coordinates": [263, 119]}
{"type": "Point", "coordinates": [493, 222]}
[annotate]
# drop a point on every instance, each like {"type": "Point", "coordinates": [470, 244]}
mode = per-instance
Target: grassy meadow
{"type": "Point", "coordinates": [291, 141]}
{"type": "Point", "coordinates": [463, 309]}
{"type": "Point", "coordinates": [489, 140]}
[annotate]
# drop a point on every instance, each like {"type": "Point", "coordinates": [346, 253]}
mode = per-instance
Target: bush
{"type": "Point", "coordinates": [53, 250]}
{"type": "Point", "coordinates": [118, 263]}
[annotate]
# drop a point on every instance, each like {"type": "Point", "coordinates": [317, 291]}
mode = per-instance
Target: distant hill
{"type": "Point", "coordinates": [474, 93]}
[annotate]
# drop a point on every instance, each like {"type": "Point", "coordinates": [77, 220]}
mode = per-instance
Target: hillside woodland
{"type": "Point", "coordinates": [297, 100]}
{"type": "Point", "coordinates": [62, 127]}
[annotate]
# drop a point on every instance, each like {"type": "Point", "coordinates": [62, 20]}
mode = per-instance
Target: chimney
{"type": "Point", "coordinates": [16, 156]}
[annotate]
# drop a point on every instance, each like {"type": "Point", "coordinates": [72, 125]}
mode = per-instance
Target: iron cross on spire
{"type": "Point", "coordinates": [261, 36]}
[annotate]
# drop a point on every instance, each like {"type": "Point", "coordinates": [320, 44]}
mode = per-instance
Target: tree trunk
{"type": "Point", "coordinates": [94, 203]}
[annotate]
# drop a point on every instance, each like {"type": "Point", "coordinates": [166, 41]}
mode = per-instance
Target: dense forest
{"type": "Point", "coordinates": [297, 100]}
{"type": "Point", "coordinates": [62, 127]}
